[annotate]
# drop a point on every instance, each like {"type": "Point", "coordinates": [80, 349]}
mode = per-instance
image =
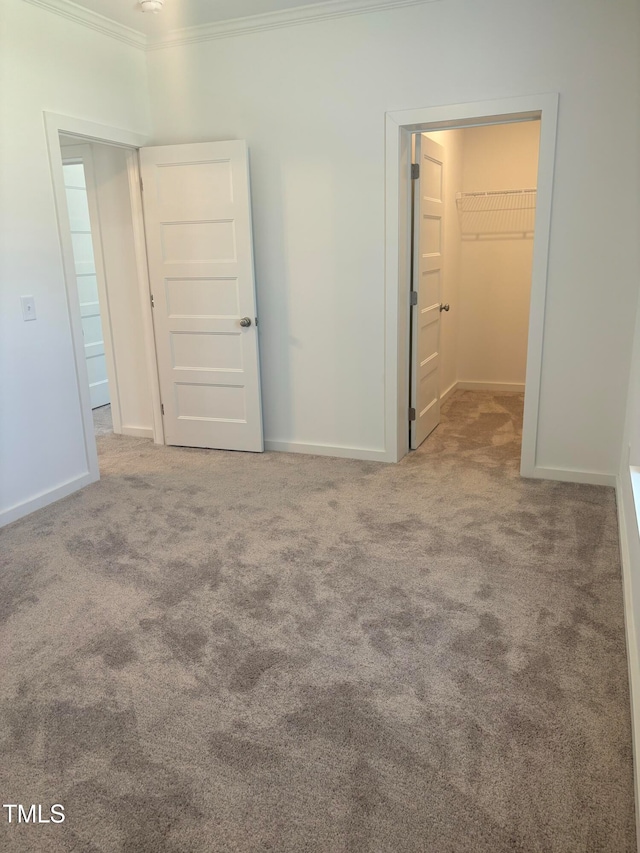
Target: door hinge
{"type": "Point", "coordinates": [415, 171]}
{"type": "Point", "coordinates": [412, 414]}
{"type": "Point", "coordinates": [413, 297]}
{"type": "Point", "coordinates": [153, 304]}
{"type": "Point", "coordinates": [162, 408]}
{"type": "Point", "coordinates": [256, 321]}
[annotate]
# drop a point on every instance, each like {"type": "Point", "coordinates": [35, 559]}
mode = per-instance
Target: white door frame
{"type": "Point", "coordinates": [400, 125]}
{"type": "Point", "coordinates": [54, 125]}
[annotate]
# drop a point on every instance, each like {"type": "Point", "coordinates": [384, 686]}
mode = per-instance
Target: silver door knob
{"type": "Point", "coordinates": [245, 322]}
{"type": "Point", "coordinates": [444, 307]}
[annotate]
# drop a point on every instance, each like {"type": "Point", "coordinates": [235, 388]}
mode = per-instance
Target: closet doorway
{"type": "Point", "coordinates": [400, 127]}
{"type": "Point", "coordinates": [473, 220]}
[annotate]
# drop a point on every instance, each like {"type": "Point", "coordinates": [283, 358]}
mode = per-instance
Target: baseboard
{"type": "Point", "coordinates": [446, 394]}
{"type": "Point", "coordinates": [633, 660]}
{"type": "Point", "coordinates": [570, 475]}
{"type": "Point", "coordinates": [45, 498]}
{"type": "Point", "coordinates": [517, 387]}
{"type": "Point", "coordinates": [137, 432]}
{"type": "Point", "coordinates": [329, 450]}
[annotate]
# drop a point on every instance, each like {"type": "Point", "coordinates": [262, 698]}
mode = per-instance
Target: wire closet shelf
{"type": "Point", "coordinates": [497, 214]}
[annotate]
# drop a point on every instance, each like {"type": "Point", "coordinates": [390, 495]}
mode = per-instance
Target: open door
{"type": "Point", "coordinates": [428, 264]}
{"type": "Point", "coordinates": [197, 215]}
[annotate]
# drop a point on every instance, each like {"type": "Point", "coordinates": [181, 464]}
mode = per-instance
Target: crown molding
{"type": "Point", "coordinates": [79, 15]}
{"type": "Point", "coordinates": [322, 11]}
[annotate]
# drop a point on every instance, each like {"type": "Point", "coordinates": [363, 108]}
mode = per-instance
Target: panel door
{"type": "Point", "coordinates": [78, 207]}
{"type": "Point", "coordinates": [200, 250]}
{"type": "Point", "coordinates": [428, 264]}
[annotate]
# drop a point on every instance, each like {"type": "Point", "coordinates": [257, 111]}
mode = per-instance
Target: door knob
{"type": "Point", "coordinates": [444, 307]}
{"type": "Point", "coordinates": [245, 322]}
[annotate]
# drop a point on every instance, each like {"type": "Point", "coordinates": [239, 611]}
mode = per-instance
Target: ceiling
{"type": "Point", "coordinates": [178, 14]}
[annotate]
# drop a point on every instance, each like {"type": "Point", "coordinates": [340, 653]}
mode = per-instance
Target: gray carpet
{"type": "Point", "coordinates": [210, 651]}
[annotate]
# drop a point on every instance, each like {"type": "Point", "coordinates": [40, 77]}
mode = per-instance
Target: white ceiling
{"type": "Point", "coordinates": [178, 14]}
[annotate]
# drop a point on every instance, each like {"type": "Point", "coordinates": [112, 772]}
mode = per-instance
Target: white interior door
{"type": "Point", "coordinates": [85, 265]}
{"type": "Point", "coordinates": [428, 262]}
{"type": "Point", "coordinates": [198, 228]}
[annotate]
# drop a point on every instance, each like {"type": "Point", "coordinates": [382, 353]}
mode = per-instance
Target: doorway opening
{"type": "Point", "coordinates": [192, 334]}
{"type": "Point", "coordinates": [100, 220]}
{"type": "Point", "coordinates": [77, 166]}
{"type": "Point", "coordinates": [109, 158]}
{"type": "Point", "coordinates": [473, 222]}
{"type": "Point", "coordinates": [400, 126]}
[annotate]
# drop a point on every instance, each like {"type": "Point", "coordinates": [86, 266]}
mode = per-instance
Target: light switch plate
{"type": "Point", "coordinates": [28, 308]}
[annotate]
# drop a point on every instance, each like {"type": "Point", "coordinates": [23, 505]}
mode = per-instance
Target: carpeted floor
{"type": "Point", "coordinates": [210, 651]}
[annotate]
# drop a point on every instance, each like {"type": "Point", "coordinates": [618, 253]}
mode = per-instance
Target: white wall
{"type": "Point", "coordinates": [495, 274]}
{"type": "Point", "coordinates": [46, 63]}
{"type": "Point", "coordinates": [125, 309]}
{"type": "Point", "coordinates": [311, 100]}
{"type": "Point", "coordinates": [452, 141]}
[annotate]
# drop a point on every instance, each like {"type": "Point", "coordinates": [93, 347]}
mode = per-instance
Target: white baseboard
{"type": "Point", "coordinates": [45, 498]}
{"type": "Point", "coordinates": [570, 475]}
{"type": "Point", "coordinates": [446, 394]}
{"type": "Point", "coordinates": [633, 661]}
{"type": "Point", "coordinates": [329, 450]}
{"type": "Point", "coordinates": [517, 387]}
{"type": "Point", "coordinates": [137, 432]}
